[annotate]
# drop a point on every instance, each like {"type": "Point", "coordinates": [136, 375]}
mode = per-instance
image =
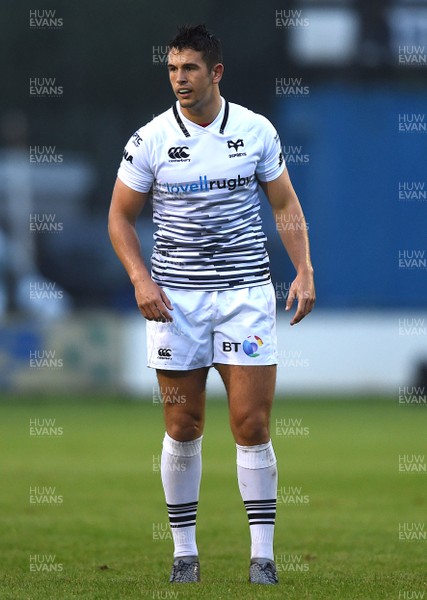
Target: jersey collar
{"type": "Point", "coordinates": [185, 124]}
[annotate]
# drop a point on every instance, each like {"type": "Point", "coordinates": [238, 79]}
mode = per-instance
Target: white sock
{"type": "Point", "coordinates": [181, 470]}
{"type": "Point", "coordinates": [257, 477]}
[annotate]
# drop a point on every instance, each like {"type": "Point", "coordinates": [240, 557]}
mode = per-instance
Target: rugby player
{"type": "Point", "coordinates": [208, 299]}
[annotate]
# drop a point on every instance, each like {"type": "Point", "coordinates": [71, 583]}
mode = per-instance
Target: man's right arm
{"type": "Point", "coordinates": [126, 205]}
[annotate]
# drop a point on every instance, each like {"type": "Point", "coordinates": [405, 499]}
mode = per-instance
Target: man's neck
{"type": "Point", "coordinates": [206, 115]}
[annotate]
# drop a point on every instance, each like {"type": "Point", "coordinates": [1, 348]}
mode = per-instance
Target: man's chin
{"type": "Point", "coordinates": [186, 102]}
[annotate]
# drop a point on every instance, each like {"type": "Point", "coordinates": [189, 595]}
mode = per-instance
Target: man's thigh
{"type": "Point", "coordinates": [183, 395]}
{"type": "Point", "coordinates": [249, 387]}
{"type": "Point", "coordinates": [250, 392]}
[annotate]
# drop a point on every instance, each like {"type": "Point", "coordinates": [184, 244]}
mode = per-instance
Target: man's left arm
{"type": "Point", "coordinates": [287, 210]}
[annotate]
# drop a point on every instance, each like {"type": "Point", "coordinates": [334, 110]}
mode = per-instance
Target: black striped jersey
{"type": "Point", "coordinates": [205, 190]}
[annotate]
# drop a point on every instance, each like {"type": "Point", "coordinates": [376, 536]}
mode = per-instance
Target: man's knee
{"type": "Point", "coordinates": [250, 429]}
{"type": "Point", "coordinates": [184, 425]}
{"type": "Point", "coordinates": [184, 430]}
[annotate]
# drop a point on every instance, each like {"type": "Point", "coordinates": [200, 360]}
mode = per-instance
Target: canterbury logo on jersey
{"type": "Point", "coordinates": [206, 185]}
{"type": "Point", "coordinates": [179, 154]}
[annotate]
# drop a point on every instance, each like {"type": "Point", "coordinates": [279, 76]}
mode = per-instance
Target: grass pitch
{"type": "Point", "coordinates": [103, 533]}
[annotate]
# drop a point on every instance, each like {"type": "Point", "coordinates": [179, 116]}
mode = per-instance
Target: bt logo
{"type": "Point", "coordinates": [250, 346]}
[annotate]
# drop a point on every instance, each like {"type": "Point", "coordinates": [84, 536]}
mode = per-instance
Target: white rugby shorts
{"type": "Point", "coordinates": [235, 327]}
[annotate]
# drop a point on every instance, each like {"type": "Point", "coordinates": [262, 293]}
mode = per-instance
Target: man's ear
{"type": "Point", "coordinates": [217, 73]}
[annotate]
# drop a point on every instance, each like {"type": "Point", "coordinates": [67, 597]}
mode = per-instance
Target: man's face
{"type": "Point", "coordinates": [191, 81]}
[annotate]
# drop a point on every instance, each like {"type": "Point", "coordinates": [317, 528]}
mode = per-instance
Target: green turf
{"type": "Point", "coordinates": [345, 538]}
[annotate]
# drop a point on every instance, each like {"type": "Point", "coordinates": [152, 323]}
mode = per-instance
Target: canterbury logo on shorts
{"type": "Point", "coordinates": [164, 353]}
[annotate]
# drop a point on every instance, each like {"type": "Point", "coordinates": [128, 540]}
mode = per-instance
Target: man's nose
{"type": "Point", "coordinates": [181, 75]}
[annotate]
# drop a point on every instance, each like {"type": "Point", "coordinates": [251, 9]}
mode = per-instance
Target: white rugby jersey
{"type": "Point", "coordinates": [206, 202]}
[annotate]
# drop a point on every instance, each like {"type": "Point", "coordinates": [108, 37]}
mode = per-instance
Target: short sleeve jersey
{"type": "Point", "coordinates": [205, 187]}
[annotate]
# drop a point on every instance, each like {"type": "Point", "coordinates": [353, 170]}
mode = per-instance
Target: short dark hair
{"type": "Point", "coordinates": [198, 38]}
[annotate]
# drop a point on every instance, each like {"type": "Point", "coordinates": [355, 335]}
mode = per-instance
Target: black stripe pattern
{"type": "Point", "coordinates": [209, 233]}
{"type": "Point", "coordinates": [211, 242]}
{"type": "Point", "coordinates": [261, 512]}
{"type": "Point", "coordinates": [179, 121]}
{"type": "Point", "coordinates": [182, 515]}
{"type": "Point", "coordinates": [185, 130]}
{"type": "Point", "coordinates": [225, 119]}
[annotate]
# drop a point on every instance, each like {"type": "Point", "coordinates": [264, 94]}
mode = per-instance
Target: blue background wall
{"type": "Point", "coordinates": [350, 193]}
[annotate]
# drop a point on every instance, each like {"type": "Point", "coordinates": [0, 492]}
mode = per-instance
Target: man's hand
{"type": "Point", "coordinates": [153, 302]}
{"type": "Point", "coordinates": [302, 289]}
